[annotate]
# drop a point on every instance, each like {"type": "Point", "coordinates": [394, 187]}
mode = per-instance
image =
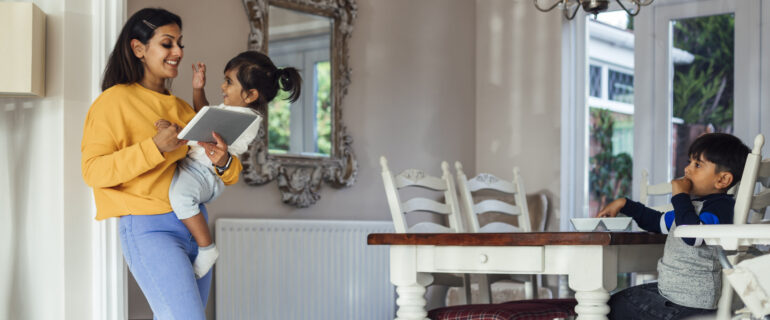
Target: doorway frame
{"type": "Point", "coordinates": [110, 274]}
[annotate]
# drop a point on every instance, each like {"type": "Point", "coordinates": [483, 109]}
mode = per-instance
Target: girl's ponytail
{"type": "Point", "coordinates": [291, 82]}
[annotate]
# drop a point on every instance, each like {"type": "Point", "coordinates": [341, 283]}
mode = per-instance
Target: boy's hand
{"type": "Point", "coordinates": [612, 209]}
{"type": "Point", "coordinates": [199, 75]}
{"type": "Point", "coordinates": [162, 124]}
{"type": "Point", "coordinates": [681, 185]}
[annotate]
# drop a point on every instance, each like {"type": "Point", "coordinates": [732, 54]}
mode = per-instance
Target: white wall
{"type": "Point", "coordinates": [45, 208]}
{"type": "Point", "coordinates": [518, 100]}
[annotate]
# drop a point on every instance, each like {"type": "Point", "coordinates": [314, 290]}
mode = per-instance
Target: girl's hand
{"type": "Point", "coordinates": [217, 152]}
{"type": "Point", "coordinates": [199, 75]}
{"type": "Point", "coordinates": [166, 139]}
{"type": "Point", "coordinates": [681, 185]}
{"type": "Point", "coordinates": [612, 209]}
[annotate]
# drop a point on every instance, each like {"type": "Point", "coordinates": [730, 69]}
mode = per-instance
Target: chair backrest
{"type": "Point", "coordinates": [485, 181]}
{"type": "Point", "coordinates": [646, 190]}
{"type": "Point", "coordinates": [756, 170]}
{"type": "Point", "coordinates": [418, 178]}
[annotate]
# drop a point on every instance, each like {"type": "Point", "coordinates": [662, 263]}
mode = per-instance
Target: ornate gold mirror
{"type": "Point", "coordinates": [304, 143]}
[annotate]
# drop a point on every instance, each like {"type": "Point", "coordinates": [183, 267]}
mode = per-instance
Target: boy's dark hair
{"type": "Point", "coordinates": [123, 67]}
{"type": "Point", "coordinates": [726, 151]}
{"type": "Point", "coordinates": [257, 71]}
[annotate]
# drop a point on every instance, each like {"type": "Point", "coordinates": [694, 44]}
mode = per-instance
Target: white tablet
{"type": "Point", "coordinates": [227, 123]}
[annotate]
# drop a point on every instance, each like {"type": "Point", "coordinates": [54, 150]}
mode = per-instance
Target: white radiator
{"type": "Point", "coordinates": [302, 269]}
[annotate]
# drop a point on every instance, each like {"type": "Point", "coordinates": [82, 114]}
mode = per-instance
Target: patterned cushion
{"type": "Point", "coordinates": [544, 309]}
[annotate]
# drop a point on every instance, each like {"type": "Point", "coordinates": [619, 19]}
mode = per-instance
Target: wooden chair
{"type": "Point", "coordinates": [414, 178]}
{"type": "Point", "coordinates": [646, 190]}
{"type": "Point", "coordinates": [740, 235]}
{"type": "Point", "coordinates": [518, 208]}
{"type": "Point", "coordinates": [661, 189]}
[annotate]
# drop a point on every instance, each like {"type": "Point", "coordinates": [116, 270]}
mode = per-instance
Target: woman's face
{"type": "Point", "coordinates": [163, 53]}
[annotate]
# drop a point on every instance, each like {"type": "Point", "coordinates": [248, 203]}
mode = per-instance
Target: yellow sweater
{"type": "Point", "coordinates": [119, 159]}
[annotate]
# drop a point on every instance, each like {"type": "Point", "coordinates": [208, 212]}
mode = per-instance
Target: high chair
{"type": "Point", "coordinates": [752, 286]}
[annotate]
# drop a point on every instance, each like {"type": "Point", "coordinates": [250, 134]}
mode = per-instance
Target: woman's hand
{"type": "Point", "coordinates": [612, 209]}
{"type": "Point", "coordinates": [166, 139]}
{"type": "Point", "coordinates": [199, 75]}
{"type": "Point", "coordinates": [681, 185]}
{"type": "Point", "coordinates": [217, 152]}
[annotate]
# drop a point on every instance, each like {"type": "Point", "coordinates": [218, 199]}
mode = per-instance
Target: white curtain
{"type": "Point", "coordinates": [15, 125]}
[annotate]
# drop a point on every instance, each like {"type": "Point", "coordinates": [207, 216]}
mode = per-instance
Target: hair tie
{"type": "Point", "coordinates": [147, 23]}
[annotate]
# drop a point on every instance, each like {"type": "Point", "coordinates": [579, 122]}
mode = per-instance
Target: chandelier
{"type": "Point", "coordinates": [570, 7]}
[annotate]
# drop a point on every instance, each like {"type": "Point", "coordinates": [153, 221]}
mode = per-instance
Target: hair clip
{"type": "Point", "coordinates": [152, 26]}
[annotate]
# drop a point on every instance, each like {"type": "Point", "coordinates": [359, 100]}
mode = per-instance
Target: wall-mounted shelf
{"type": "Point", "coordinates": [22, 49]}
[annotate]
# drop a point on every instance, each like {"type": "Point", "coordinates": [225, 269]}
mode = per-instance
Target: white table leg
{"type": "Point", "coordinates": [592, 304]}
{"type": "Point", "coordinates": [592, 281]}
{"type": "Point", "coordinates": [410, 285]}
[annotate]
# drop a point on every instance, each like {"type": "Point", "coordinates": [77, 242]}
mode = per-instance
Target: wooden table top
{"type": "Point", "coordinates": [516, 239]}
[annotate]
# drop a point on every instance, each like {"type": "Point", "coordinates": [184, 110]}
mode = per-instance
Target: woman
{"type": "Point", "coordinates": [130, 164]}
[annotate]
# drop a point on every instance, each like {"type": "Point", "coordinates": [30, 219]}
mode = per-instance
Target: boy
{"type": "Point", "coordinates": [689, 275]}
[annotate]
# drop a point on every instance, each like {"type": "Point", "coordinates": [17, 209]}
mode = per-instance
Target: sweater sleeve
{"type": "Point", "coordinates": [647, 219]}
{"type": "Point", "coordinates": [103, 165]}
{"type": "Point", "coordinates": [230, 176]}
{"type": "Point", "coordinates": [718, 211]}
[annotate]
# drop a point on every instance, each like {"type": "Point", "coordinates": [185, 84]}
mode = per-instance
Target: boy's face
{"type": "Point", "coordinates": [705, 178]}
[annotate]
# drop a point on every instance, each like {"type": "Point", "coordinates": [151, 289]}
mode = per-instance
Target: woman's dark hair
{"type": "Point", "coordinates": [726, 151]}
{"type": "Point", "coordinates": [123, 66]}
{"type": "Point", "coordinates": [257, 71]}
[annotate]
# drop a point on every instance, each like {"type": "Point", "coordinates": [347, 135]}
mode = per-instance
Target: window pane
{"type": "Point", "coordinates": [611, 124]}
{"type": "Point", "coordinates": [620, 86]}
{"type": "Point", "coordinates": [595, 79]}
{"type": "Point", "coordinates": [278, 132]}
{"type": "Point", "coordinates": [702, 55]}
{"type": "Point", "coordinates": [323, 107]}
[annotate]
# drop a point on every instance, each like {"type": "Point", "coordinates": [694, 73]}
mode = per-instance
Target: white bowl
{"type": "Point", "coordinates": [585, 224]}
{"type": "Point", "coordinates": [617, 223]}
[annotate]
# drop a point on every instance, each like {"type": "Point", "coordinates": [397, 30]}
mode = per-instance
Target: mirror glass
{"type": "Point", "coordinates": [302, 41]}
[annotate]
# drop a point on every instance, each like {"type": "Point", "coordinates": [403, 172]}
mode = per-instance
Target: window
{"type": "Point", "coordinates": [610, 109]}
{"type": "Point", "coordinates": [620, 86]}
{"type": "Point", "coordinates": [702, 88]}
{"type": "Point", "coordinates": [595, 78]}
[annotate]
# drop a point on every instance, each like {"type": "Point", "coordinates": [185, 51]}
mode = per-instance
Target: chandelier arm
{"type": "Point", "coordinates": [633, 14]}
{"type": "Point", "coordinates": [574, 12]}
{"type": "Point", "coordinates": [643, 2]}
{"type": "Point", "coordinates": [549, 8]}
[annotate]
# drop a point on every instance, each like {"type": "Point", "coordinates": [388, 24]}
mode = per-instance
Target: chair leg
{"type": "Point", "coordinates": [535, 280]}
{"type": "Point", "coordinates": [467, 286]}
{"type": "Point", "coordinates": [528, 292]}
{"type": "Point", "coordinates": [725, 305]}
{"type": "Point", "coordinates": [485, 289]}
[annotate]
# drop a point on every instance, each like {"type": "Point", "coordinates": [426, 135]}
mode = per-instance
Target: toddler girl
{"type": "Point", "coordinates": [251, 82]}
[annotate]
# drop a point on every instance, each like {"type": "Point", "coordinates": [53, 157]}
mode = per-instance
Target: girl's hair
{"type": "Point", "coordinates": [123, 66]}
{"type": "Point", "coordinates": [257, 71]}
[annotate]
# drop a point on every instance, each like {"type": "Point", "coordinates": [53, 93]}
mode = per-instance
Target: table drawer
{"type": "Point", "coordinates": [490, 259]}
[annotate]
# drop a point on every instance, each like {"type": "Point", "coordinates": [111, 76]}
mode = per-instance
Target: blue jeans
{"type": "Point", "coordinates": [159, 251]}
{"type": "Point", "coordinates": [644, 302]}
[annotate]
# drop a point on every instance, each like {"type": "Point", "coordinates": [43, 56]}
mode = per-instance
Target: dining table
{"type": "Point", "coordinates": [591, 260]}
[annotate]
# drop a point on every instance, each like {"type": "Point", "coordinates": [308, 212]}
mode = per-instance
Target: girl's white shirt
{"type": "Point", "coordinates": [238, 147]}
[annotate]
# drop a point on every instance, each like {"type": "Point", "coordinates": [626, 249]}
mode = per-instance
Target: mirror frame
{"type": "Point", "coordinates": [300, 177]}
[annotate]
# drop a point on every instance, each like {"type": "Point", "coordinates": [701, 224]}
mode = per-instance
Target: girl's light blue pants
{"type": "Point", "coordinates": [159, 251]}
